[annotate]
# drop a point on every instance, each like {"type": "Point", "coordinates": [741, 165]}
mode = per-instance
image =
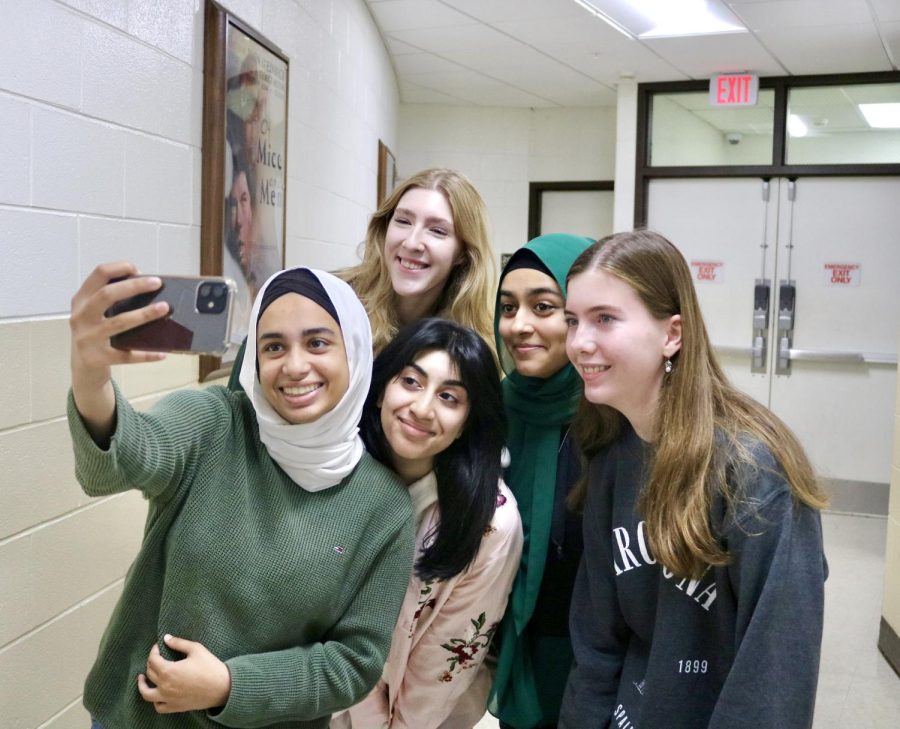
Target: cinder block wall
{"type": "Point", "coordinates": [101, 106]}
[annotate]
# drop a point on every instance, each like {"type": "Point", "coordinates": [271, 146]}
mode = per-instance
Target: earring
{"type": "Point", "coordinates": [667, 366]}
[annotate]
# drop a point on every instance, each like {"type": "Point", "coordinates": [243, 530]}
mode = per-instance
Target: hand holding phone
{"type": "Point", "coordinates": [198, 319]}
{"type": "Point", "coordinates": [91, 353]}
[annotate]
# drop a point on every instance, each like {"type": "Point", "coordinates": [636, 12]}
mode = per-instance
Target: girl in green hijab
{"type": "Point", "coordinates": [541, 393]}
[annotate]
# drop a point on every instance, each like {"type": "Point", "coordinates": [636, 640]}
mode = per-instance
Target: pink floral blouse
{"type": "Point", "coordinates": [435, 677]}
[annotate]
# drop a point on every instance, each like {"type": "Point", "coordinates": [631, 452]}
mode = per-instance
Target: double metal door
{"type": "Point", "coordinates": [799, 282]}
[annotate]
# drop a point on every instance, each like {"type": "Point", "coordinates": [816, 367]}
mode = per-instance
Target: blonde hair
{"type": "Point", "coordinates": [467, 297]}
{"type": "Point", "coordinates": [697, 406]}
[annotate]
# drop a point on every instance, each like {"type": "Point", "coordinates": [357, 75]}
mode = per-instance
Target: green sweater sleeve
{"type": "Point", "coordinates": [315, 680]}
{"type": "Point", "coordinates": [151, 451]}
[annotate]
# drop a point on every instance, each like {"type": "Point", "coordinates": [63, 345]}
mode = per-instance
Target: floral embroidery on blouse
{"type": "Point", "coordinates": [463, 652]}
{"type": "Point", "coordinates": [424, 602]}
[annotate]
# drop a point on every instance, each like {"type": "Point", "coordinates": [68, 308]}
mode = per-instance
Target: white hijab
{"type": "Point", "coordinates": [317, 455]}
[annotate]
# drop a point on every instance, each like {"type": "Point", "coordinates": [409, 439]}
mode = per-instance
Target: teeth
{"type": "Point", "coordinates": [294, 391]}
{"type": "Point", "coordinates": [412, 265]}
{"type": "Point", "coordinates": [593, 369]}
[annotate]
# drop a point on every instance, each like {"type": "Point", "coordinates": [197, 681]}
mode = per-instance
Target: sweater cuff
{"type": "Point", "coordinates": [91, 458]}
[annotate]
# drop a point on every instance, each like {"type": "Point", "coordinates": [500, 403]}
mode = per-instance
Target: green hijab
{"type": "Point", "coordinates": [537, 409]}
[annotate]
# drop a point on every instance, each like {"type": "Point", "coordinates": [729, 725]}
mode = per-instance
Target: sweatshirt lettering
{"type": "Point", "coordinates": [702, 589]}
{"type": "Point", "coordinates": [621, 718]}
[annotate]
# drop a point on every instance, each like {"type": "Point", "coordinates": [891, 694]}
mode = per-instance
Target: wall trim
{"type": "Point", "coordinates": [889, 645]}
{"type": "Point", "coordinates": [858, 497]}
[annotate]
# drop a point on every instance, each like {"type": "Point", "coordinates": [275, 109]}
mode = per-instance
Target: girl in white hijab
{"type": "Point", "coordinates": [315, 454]}
{"type": "Point", "coordinates": [276, 551]}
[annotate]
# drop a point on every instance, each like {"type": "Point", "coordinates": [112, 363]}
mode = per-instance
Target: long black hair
{"type": "Point", "coordinates": [468, 471]}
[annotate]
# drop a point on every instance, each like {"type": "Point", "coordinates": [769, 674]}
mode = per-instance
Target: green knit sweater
{"type": "Point", "coordinates": [297, 592]}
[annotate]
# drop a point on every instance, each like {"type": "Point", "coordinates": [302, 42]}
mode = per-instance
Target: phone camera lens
{"type": "Point", "coordinates": [212, 296]}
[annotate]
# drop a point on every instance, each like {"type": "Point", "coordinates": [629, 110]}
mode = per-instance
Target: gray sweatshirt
{"type": "Point", "coordinates": [737, 648]}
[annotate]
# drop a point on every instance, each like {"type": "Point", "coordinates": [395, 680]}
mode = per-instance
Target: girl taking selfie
{"type": "Point", "coordinates": [434, 416]}
{"type": "Point", "coordinates": [276, 551]}
{"type": "Point", "coordinates": [700, 596]}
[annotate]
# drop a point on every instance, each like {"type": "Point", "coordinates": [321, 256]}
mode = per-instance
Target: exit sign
{"type": "Point", "coordinates": [733, 89]}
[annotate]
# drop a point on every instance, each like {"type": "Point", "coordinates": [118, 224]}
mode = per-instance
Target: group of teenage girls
{"type": "Point", "coordinates": [340, 539]}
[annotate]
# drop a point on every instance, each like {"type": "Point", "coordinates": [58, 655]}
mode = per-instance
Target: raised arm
{"type": "Point", "coordinates": [91, 353]}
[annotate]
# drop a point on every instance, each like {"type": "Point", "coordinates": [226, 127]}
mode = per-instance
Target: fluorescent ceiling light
{"type": "Point", "coordinates": [881, 116]}
{"type": "Point", "coordinates": [665, 18]}
{"type": "Point", "coordinates": [796, 126]}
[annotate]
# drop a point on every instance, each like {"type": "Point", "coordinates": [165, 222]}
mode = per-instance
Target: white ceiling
{"type": "Point", "coordinates": [553, 53]}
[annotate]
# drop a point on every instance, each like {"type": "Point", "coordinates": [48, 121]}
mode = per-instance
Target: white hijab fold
{"type": "Point", "coordinates": [320, 454]}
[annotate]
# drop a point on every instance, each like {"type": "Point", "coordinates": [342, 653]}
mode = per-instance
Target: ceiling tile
{"type": "Point", "coordinates": [552, 52]}
{"type": "Point", "coordinates": [607, 66]}
{"type": "Point", "coordinates": [466, 84]}
{"type": "Point", "coordinates": [492, 11]}
{"type": "Point", "coordinates": [398, 48]}
{"type": "Point", "coordinates": [589, 31]}
{"type": "Point", "coordinates": [410, 63]}
{"type": "Point", "coordinates": [891, 34]}
{"type": "Point", "coordinates": [411, 93]}
{"type": "Point", "coordinates": [888, 11]}
{"type": "Point", "coordinates": [458, 38]}
{"type": "Point", "coordinates": [394, 15]}
{"type": "Point", "coordinates": [828, 49]}
{"type": "Point", "coordinates": [705, 56]}
{"type": "Point", "coordinates": [802, 13]}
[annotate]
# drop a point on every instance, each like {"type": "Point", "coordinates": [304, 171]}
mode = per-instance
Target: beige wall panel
{"type": "Point", "coordinates": [15, 404]}
{"type": "Point", "coordinates": [175, 371]}
{"type": "Point", "coordinates": [75, 716]}
{"type": "Point", "coordinates": [51, 568]}
{"type": "Point", "coordinates": [50, 378]}
{"type": "Point", "coordinates": [38, 476]}
{"type": "Point", "coordinates": [894, 505]}
{"type": "Point", "coordinates": [890, 608]}
{"type": "Point", "coordinates": [44, 672]}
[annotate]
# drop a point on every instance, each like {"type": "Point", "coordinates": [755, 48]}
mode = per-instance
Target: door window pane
{"type": "Point", "coordinates": [828, 124]}
{"type": "Point", "coordinates": [686, 130]}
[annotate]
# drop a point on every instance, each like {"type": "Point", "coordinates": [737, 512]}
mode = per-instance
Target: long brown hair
{"type": "Point", "coordinates": [467, 297]}
{"type": "Point", "coordinates": [703, 424]}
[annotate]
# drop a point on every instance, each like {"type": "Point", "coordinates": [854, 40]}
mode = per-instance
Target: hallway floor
{"type": "Point", "coordinates": [857, 687]}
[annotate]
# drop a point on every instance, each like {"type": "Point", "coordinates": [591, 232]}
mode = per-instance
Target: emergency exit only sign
{"type": "Point", "coordinates": [733, 89]}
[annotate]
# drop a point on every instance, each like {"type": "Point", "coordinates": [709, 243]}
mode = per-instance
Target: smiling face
{"type": "Point", "coordinates": [532, 323]}
{"type": "Point", "coordinates": [303, 371]}
{"type": "Point", "coordinates": [618, 347]}
{"type": "Point", "coordinates": [423, 410]}
{"type": "Point", "coordinates": [420, 250]}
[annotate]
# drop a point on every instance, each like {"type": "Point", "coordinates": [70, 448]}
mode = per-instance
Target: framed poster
{"type": "Point", "coordinates": [244, 167]}
{"type": "Point", "coordinates": [387, 173]}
